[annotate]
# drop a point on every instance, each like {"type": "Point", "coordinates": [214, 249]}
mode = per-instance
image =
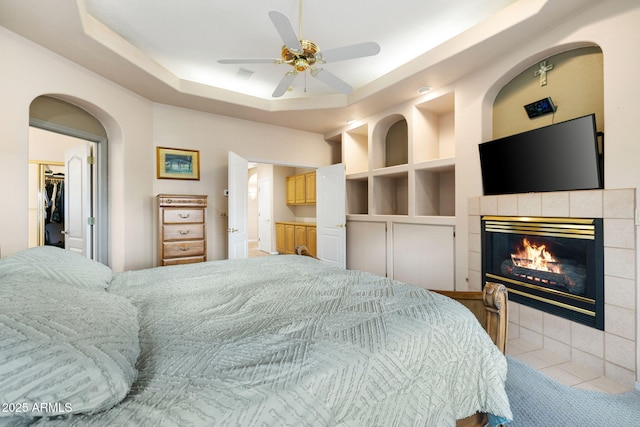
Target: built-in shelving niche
{"type": "Point", "coordinates": [400, 186]}
{"type": "Point", "coordinates": [435, 188]}
{"type": "Point", "coordinates": [434, 129]}
{"type": "Point", "coordinates": [390, 141]}
{"type": "Point", "coordinates": [356, 149]}
{"type": "Point", "coordinates": [433, 155]}
{"type": "Point", "coordinates": [391, 194]}
{"type": "Point", "coordinates": [403, 163]}
{"type": "Point", "coordinates": [357, 195]}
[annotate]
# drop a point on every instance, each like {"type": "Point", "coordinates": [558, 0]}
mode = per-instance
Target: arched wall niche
{"type": "Point", "coordinates": [390, 142]}
{"type": "Point", "coordinates": [396, 144]}
{"type": "Point", "coordinates": [575, 85]}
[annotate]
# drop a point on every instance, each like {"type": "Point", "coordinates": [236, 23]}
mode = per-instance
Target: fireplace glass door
{"type": "Point", "coordinates": [552, 264]}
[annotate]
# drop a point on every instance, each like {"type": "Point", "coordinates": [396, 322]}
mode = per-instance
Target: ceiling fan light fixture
{"type": "Point", "coordinates": [302, 55]}
{"type": "Point", "coordinates": [300, 60]}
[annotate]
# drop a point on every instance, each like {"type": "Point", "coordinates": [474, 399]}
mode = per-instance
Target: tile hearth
{"type": "Point", "coordinates": [562, 369]}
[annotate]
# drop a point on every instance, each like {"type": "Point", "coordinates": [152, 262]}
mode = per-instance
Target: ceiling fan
{"type": "Point", "coordinates": [305, 55]}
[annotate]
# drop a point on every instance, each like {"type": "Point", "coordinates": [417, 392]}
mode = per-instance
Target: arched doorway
{"type": "Point", "coordinates": [67, 178]}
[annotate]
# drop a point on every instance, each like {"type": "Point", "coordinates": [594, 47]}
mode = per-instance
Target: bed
{"type": "Point", "coordinates": [269, 341]}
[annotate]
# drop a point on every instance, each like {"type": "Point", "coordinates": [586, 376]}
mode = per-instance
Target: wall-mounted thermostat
{"type": "Point", "coordinates": [540, 108]}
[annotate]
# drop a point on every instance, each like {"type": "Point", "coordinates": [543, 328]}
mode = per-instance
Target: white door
{"type": "Point", "coordinates": [78, 201]}
{"type": "Point", "coordinates": [264, 215]}
{"type": "Point", "coordinates": [238, 242]}
{"type": "Point", "coordinates": [331, 218]}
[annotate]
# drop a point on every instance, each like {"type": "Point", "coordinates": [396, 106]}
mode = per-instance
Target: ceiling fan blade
{"type": "Point", "coordinates": [250, 61]}
{"type": "Point", "coordinates": [331, 80]}
{"type": "Point", "coordinates": [350, 52]}
{"type": "Point", "coordinates": [286, 31]}
{"type": "Point", "coordinates": [284, 84]}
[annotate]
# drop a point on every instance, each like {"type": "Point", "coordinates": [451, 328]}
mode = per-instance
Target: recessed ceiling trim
{"type": "Point", "coordinates": [110, 39]}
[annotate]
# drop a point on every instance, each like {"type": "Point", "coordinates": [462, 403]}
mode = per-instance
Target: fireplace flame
{"type": "Point", "coordinates": [535, 257]}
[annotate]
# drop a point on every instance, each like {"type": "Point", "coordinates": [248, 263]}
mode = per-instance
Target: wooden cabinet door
{"type": "Point", "coordinates": [280, 246]}
{"type": "Point", "coordinates": [310, 183]}
{"type": "Point", "coordinates": [301, 235]}
{"type": "Point", "coordinates": [289, 238]}
{"type": "Point", "coordinates": [311, 240]}
{"type": "Point", "coordinates": [291, 190]}
{"type": "Point", "coordinates": [301, 187]}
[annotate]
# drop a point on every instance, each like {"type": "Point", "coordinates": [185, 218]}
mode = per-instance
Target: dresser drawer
{"type": "Point", "coordinates": [183, 215]}
{"type": "Point", "coordinates": [168, 201]}
{"type": "Point", "coordinates": [178, 261]}
{"type": "Point", "coordinates": [183, 231]}
{"type": "Point", "coordinates": [183, 249]}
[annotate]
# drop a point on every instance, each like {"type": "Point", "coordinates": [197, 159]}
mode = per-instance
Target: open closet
{"type": "Point", "coordinates": [49, 192]}
{"type": "Point", "coordinates": [53, 208]}
{"type": "Point", "coordinates": [46, 203]}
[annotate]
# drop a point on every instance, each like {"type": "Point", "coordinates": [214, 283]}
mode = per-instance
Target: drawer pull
{"type": "Point", "coordinates": [183, 232]}
{"type": "Point", "coordinates": [184, 216]}
{"type": "Point", "coordinates": [184, 249]}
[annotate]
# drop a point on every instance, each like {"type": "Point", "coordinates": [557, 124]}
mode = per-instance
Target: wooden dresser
{"type": "Point", "coordinates": [182, 237]}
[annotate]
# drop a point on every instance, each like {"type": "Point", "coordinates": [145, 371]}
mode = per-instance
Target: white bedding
{"type": "Point", "coordinates": [287, 340]}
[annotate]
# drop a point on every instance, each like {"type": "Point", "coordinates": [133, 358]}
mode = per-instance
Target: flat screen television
{"type": "Point", "coordinates": [559, 157]}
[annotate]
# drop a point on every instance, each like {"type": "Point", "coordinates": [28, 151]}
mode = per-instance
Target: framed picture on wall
{"type": "Point", "coordinates": [177, 163]}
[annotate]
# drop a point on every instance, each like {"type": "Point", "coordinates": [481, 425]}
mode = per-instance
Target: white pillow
{"type": "Point", "coordinates": [50, 263]}
{"type": "Point", "coordinates": [64, 349]}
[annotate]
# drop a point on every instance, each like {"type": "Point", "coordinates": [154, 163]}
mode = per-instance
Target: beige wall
{"type": "Point", "coordinates": [214, 136]}
{"type": "Point", "coordinates": [29, 71]}
{"type": "Point", "coordinates": [135, 126]}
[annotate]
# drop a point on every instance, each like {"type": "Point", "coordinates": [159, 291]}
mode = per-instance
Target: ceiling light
{"type": "Point", "coordinates": [424, 89]}
{"type": "Point", "coordinates": [350, 121]}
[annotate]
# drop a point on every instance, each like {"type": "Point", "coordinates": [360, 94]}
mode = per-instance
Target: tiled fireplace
{"type": "Point", "coordinates": [608, 346]}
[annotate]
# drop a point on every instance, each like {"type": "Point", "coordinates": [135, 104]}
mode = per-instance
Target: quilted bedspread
{"type": "Point", "coordinates": [287, 340]}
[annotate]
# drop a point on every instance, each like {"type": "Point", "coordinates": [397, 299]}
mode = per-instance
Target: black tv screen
{"type": "Point", "coordinates": [559, 157]}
